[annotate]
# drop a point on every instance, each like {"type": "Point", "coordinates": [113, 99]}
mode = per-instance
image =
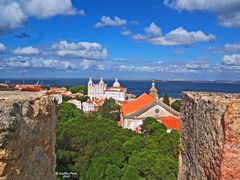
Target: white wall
{"type": "Point", "coordinates": [151, 113]}
{"type": "Point", "coordinates": [132, 124]}
{"type": "Point", "coordinates": [87, 107]}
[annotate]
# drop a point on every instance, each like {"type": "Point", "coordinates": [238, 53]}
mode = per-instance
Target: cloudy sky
{"type": "Point", "coordinates": [169, 39]}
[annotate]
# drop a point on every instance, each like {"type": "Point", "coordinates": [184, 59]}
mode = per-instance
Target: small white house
{"type": "Point", "coordinates": [75, 102]}
{"type": "Point", "coordinates": [88, 106]}
{"type": "Point", "coordinates": [58, 98]}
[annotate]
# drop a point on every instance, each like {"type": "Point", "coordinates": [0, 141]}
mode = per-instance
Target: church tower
{"type": "Point", "coordinates": [101, 87]}
{"type": "Point", "coordinates": [153, 91]}
{"type": "Point", "coordinates": [90, 83]}
{"type": "Point", "coordinates": [90, 88]}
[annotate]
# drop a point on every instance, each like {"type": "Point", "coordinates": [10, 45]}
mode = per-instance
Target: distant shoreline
{"type": "Point", "coordinates": [125, 79]}
{"type": "Point", "coordinates": [173, 88]}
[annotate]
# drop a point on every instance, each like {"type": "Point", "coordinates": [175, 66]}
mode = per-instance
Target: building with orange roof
{"type": "Point", "coordinates": [138, 103]}
{"type": "Point", "coordinates": [75, 102]}
{"type": "Point", "coordinates": [171, 123]}
{"type": "Point", "coordinates": [135, 112]}
{"type": "Point", "coordinates": [58, 89]}
{"type": "Point", "coordinates": [57, 96]}
{"type": "Point", "coordinates": [88, 106]}
{"type": "Point", "coordinates": [28, 87]}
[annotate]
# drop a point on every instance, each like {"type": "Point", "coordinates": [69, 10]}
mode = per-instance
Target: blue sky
{"type": "Point", "coordinates": [170, 39]}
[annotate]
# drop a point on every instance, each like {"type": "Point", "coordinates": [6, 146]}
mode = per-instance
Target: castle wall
{"type": "Point", "coordinates": [210, 136]}
{"type": "Point", "coordinates": [27, 136]}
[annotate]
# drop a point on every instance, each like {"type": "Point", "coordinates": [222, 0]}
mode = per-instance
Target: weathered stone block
{"type": "Point", "coordinates": [27, 136]}
{"type": "Point", "coordinates": [210, 136]}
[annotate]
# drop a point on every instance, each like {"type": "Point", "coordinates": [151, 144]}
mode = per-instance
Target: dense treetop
{"type": "Point", "coordinates": [96, 148]}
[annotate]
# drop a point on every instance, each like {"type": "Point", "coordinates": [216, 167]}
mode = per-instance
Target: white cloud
{"type": "Point", "coordinates": [134, 22]}
{"type": "Point", "coordinates": [32, 62]}
{"type": "Point", "coordinates": [86, 64]}
{"type": "Point", "coordinates": [157, 67]}
{"type": "Point", "coordinates": [126, 68]}
{"type": "Point", "coordinates": [11, 16]}
{"type": "Point", "coordinates": [13, 13]}
{"type": "Point", "coordinates": [126, 32]}
{"type": "Point", "coordinates": [48, 8]}
{"type": "Point", "coordinates": [227, 48]}
{"type": "Point", "coordinates": [154, 30]}
{"type": "Point", "coordinates": [107, 21]}
{"type": "Point", "coordinates": [181, 36]}
{"type": "Point", "coordinates": [87, 50]}
{"type": "Point", "coordinates": [232, 47]}
{"type": "Point", "coordinates": [231, 63]}
{"type": "Point", "coordinates": [176, 37]}
{"type": "Point", "coordinates": [230, 19]}
{"type": "Point", "coordinates": [139, 37]}
{"type": "Point", "coordinates": [198, 64]}
{"type": "Point", "coordinates": [231, 60]}
{"type": "Point", "coordinates": [2, 47]}
{"type": "Point", "coordinates": [82, 12]}
{"type": "Point", "coordinates": [26, 51]}
{"type": "Point", "coordinates": [228, 11]}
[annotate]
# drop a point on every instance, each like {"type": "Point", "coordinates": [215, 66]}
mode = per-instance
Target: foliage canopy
{"type": "Point", "coordinates": [96, 148]}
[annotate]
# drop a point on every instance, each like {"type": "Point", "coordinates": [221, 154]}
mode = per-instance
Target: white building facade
{"type": "Point", "coordinates": [100, 90]}
{"type": "Point", "coordinates": [58, 98]}
{"type": "Point", "coordinates": [75, 102]}
{"type": "Point", "coordinates": [88, 106]}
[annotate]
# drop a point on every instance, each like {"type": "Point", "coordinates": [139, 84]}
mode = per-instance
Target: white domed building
{"type": "Point", "coordinates": [100, 90]}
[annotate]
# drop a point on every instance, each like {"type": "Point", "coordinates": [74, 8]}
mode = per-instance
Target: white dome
{"type": "Point", "coordinates": [116, 83]}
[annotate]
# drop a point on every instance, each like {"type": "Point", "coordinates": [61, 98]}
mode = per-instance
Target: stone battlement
{"type": "Point", "coordinates": [210, 136]}
{"type": "Point", "coordinates": [27, 136]}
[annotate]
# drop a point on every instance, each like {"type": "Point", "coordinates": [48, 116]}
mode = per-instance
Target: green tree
{"type": "Point", "coordinates": [176, 105]}
{"type": "Point", "coordinates": [166, 99]}
{"type": "Point", "coordinates": [66, 98]}
{"type": "Point", "coordinates": [149, 164]}
{"type": "Point", "coordinates": [151, 126]}
{"type": "Point", "coordinates": [136, 143]}
{"type": "Point", "coordinates": [82, 98]}
{"type": "Point", "coordinates": [110, 110]}
{"type": "Point", "coordinates": [95, 147]}
{"type": "Point", "coordinates": [113, 172]}
{"type": "Point", "coordinates": [76, 89]}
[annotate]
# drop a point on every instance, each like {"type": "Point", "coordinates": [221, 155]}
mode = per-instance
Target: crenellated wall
{"type": "Point", "coordinates": [27, 136]}
{"type": "Point", "coordinates": [210, 136]}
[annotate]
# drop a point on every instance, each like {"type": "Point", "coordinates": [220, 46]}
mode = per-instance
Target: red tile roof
{"type": "Point", "coordinates": [28, 87]}
{"type": "Point", "coordinates": [137, 104]}
{"type": "Point", "coordinates": [171, 123]}
{"type": "Point", "coordinates": [55, 88]}
{"type": "Point", "coordinates": [89, 101]}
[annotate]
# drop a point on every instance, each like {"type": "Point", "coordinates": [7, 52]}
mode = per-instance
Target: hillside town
{"type": "Point", "coordinates": [133, 110]}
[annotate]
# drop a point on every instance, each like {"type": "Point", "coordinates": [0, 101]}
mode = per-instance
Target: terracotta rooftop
{"type": "Point", "coordinates": [140, 102]}
{"type": "Point", "coordinates": [171, 123]}
{"type": "Point", "coordinates": [89, 101]}
{"type": "Point", "coordinates": [28, 87]}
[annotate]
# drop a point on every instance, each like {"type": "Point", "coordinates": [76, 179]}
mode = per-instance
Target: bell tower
{"type": "Point", "coordinates": [153, 90]}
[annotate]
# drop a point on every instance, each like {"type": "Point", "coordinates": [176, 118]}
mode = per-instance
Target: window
{"type": "Point", "coordinates": [157, 111]}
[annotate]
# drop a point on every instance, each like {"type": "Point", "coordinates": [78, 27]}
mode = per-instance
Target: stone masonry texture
{"type": "Point", "coordinates": [210, 136]}
{"type": "Point", "coordinates": [27, 136]}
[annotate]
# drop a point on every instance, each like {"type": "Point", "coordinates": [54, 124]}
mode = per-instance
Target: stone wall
{"type": "Point", "coordinates": [27, 136]}
{"type": "Point", "coordinates": [210, 136]}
